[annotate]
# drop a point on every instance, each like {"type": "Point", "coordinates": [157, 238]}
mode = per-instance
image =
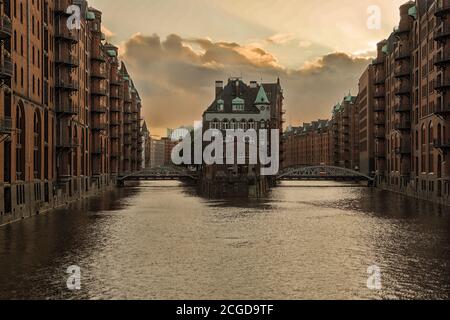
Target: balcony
{"type": "Point", "coordinates": [402, 107]}
{"type": "Point", "coordinates": [380, 133]}
{"type": "Point", "coordinates": [402, 53]}
{"type": "Point", "coordinates": [379, 121]}
{"type": "Point", "coordinates": [99, 127]}
{"type": "Point", "coordinates": [379, 93]}
{"type": "Point", "coordinates": [99, 109]}
{"type": "Point", "coordinates": [67, 108]}
{"type": "Point", "coordinates": [404, 71]}
{"type": "Point", "coordinates": [98, 151]}
{"type": "Point", "coordinates": [115, 109]}
{"type": "Point", "coordinates": [402, 29]}
{"type": "Point", "coordinates": [379, 106]}
{"type": "Point", "coordinates": [99, 73]}
{"type": "Point", "coordinates": [442, 108]}
{"type": "Point", "coordinates": [443, 33]}
{"type": "Point", "coordinates": [380, 154]}
{"type": "Point", "coordinates": [442, 59]}
{"type": "Point", "coordinates": [6, 68]}
{"type": "Point", "coordinates": [114, 94]}
{"type": "Point", "coordinates": [114, 135]}
{"type": "Point", "coordinates": [98, 55]}
{"type": "Point", "coordinates": [66, 84]}
{"type": "Point", "coordinates": [402, 89]}
{"type": "Point", "coordinates": [98, 91]}
{"type": "Point", "coordinates": [114, 123]}
{"type": "Point", "coordinates": [442, 8]}
{"type": "Point", "coordinates": [442, 84]}
{"type": "Point", "coordinates": [67, 143]}
{"type": "Point", "coordinates": [378, 61]}
{"type": "Point", "coordinates": [5, 28]}
{"type": "Point", "coordinates": [62, 33]}
{"type": "Point", "coordinates": [115, 154]}
{"type": "Point", "coordinates": [442, 145]}
{"type": "Point", "coordinates": [116, 82]}
{"type": "Point", "coordinates": [6, 125]}
{"type": "Point", "coordinates": [402, 125]}
{"type": "Point", "coordinates": [68, 59]}
{"type": "Point", "coordinates": [379, 80]}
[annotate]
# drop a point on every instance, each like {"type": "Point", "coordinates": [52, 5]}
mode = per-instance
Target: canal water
{"type": "Point", "coordinates": [160, 241]}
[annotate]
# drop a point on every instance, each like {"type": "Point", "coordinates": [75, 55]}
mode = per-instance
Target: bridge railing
{"type": "Point", "coordinates": [172, 172]}
{"type": "Point", "coordinates": [321, 171]}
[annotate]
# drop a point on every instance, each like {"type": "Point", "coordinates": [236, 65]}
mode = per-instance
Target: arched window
{"type": "Point", "coordinates": [225, 124]}
{"type": "Point", "coordinates": [75, 151]}
{"type": "Point", "coordinates": [20, 145]}
{"type": "Point", "coordinates": [430, 133]}
{"type": "Point", "coordinates": [439, 133]}
{"type": "Point", "coordinates": [37, 151]}
{"type": "Point", "coordinates": [83, 154]}
{"type": "Point", "coordinates": [417, 140]}
{"type": "Point", "coordinates": [233, 124]}
{"type": "Point", "coordinates": [214, 124]}
{"type": "Point", "coordinates": [423, 134]}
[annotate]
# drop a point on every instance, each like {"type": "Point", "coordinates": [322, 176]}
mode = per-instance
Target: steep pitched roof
{"type": "Point", "coordinates": [261, 98]}
{"type": "Point", "coordinates": [237, 91]}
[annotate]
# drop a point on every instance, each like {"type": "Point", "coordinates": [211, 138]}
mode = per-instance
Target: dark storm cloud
{"type": "Point", "coordinates": [176, 77]}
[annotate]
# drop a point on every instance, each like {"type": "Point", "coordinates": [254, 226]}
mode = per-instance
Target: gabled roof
{"type": "Point", "coordinates": [237, 92]}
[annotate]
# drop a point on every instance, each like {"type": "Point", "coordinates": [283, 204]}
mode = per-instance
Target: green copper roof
{"type": "Point", "coordinates": [349, 98]}
{"type": "Point", "coordinates": [261, 98]}
{"type": "Point", "coordinates": [90, 15]}
{"type": "Point", "coordinates": [385, 49]}
{"type": "Point", "coordinates": [238, 101]}
{"type": "Point", "coordinates": [220, 101]}
{"type": "Point", "coordinates": [112, 53]}
{"type": "Point", "coordinates": [103, 36]}
{"type": "Point", "coordinates": [413, 12]}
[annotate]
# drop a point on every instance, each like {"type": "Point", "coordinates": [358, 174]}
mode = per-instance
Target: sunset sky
{"type": "Point", "coordinates": [176, 49]}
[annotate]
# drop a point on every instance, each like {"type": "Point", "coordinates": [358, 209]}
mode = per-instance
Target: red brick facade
{"type": "Point", "coordinates": [69, 112]}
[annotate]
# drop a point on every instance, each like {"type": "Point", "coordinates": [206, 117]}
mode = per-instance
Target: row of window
{"type": "Point", "coordinates": [242, 125]}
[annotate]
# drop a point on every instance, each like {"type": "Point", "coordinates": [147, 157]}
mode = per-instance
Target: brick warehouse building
{"type": "Point", "coordinates": [69, 111]}
{"type": "Point", "coordinates": [399, 121]}
{"type": "Point", "coordinates": [308, 145]}
{"type": "Point", "coordinates": [411, 101]}
{"type": "Point", "coordinates": [345, 134]}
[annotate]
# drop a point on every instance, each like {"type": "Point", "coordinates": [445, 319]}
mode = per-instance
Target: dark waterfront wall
{"type": "Point", "coordinates": [233, 187]}
{"type": "Point", "coordinates": [52, 197]}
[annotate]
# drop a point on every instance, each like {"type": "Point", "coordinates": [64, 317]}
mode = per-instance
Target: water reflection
{"type": "Point", "coordinates": [161, 241]}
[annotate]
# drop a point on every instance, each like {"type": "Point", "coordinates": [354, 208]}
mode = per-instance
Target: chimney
{"type": "Point", "coordinates": [219, 88]}
{"type": "Point", "coordinates": [253, 84]}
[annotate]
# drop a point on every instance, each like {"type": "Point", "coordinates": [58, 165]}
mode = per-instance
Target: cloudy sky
{"type": "Point", "coordinates": [176, 49]}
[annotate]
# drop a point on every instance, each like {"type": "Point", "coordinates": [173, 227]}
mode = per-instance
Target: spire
{"type": "Point", "coordinates": [261, 98]}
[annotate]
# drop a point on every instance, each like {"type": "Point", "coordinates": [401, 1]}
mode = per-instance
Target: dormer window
{"type": "Point", "coordinates": [220, 105]}
{"type": "Point", "coordinates": [238, 104]}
